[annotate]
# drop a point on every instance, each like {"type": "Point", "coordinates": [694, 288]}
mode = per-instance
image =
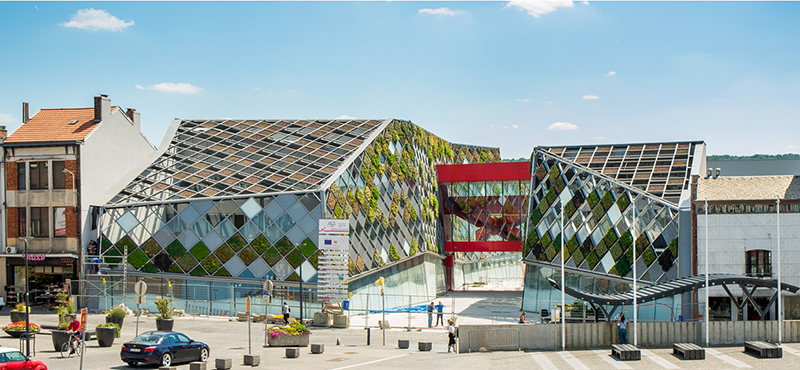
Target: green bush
{"type": "Point", "coordinates": [137, 258]}
{"type": "Point", "coordinates": [176, 249]}
{"type": "Point", "coordinates": [608, 200]}
{"type": "Point", "coordinates": [284, 246]}
{"type": "Point", "coordinates": [598, 212]}
{"type": "Point", "coordinates": [308, 247]}
{"type": "Point", "coordinates": [224, 253]}
{"type": "Point", "coordinates": [625, 240]}
{"type": "Point", "coordinates": [62, 326]}
{"type": "Point", "coordinates": [164, 310]}
{"type": "Point", "coordinates": [112, 257]}
{"type": "Point", "coordinates": [610, 237]}
{"type": "Point", "coordinates": [260, 244]}
{"type": "Point", "coordinates": [151, 248]}
{"type": "Point", "coordinates": [593, 199]}
{"type": "Point", "coordinates": [414, 247]}
{"type": "Point", "coordinates": [106, 325]}
{"type": "Point", "coordinates": [150, 268]}
{"type": "Point", "coordinates": [623, 201]}
{"type": "Point", "coordinates": [247, 255]}
{"type": "Point", "coordinates": [198, 271]}
{"type": "Point", "coordinates": [236, 242]}
{"type": "Point", "coordinates": [118, 313]}
{"type": "Point", "coordinates": [200, 251]}
{"type": "Point", "coordinates": [393, 253]}
{"type": "Point", "coordinates": [376, 256]}
{"type": "Point", "coordinates": [187, 262]}
{"type": "Point", "coordinates": [295, 258]}
{"type": "Point", "coordinates": [271, 256]}
{"type": "Point", "coordinates": [211, 264]}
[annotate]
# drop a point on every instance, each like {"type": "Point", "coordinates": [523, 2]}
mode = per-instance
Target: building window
{"type": "Point", "coordinates": [23, 222]}
{"type": "Point", "coordinates": [40, 221]}
{"type": "Point", "coordinates": [21, 175]}
{"type": "Point", "coordinates": [59, 177]}
{"type": "Point", "coordinates": [39, 174]}
{"type": "Point", "coordinates": [758, 263]}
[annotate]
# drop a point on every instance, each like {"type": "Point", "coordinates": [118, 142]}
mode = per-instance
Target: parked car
{"type": "Point", "coordinates": [12, 358]}
{"type": "Point", "coordinates": [163, 348]}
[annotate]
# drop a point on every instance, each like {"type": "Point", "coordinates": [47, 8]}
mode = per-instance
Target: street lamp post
{"type": "Point", "coordinates": [301, 283]}
{"type": "Point", "coordinates": [563, 295]}
{"type": "Point", "coordinates": [705, 314]}
{"type": "Point", "coordinates": [780, 314]}
{"type": "Point", "coordinates": [27, 305]}
{"type": "Point", "coordinates": [635, 304]}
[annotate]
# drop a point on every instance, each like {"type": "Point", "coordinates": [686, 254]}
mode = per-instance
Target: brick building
{"type": "Point", "coordinates": [54, 165]}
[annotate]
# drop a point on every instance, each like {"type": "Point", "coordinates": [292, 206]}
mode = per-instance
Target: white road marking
{"type": "Point", "coordinates": [572, 361]}
{"type": "Point", "coordinates": [791, 350]}
{"type": "Point", "coordinates": [605, 356]}
{"type": "Point", "coordinates": [370, 362]}
{"type": "Point", "coordinates": [727, 358]}
{"type": "Point", "coordinates": [664, 363]}
{"type": "Point", "coordinates": [543, 362]}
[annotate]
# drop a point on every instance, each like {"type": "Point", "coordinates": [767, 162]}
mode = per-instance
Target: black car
{"type": "Point", "coordinates": [163, 348]}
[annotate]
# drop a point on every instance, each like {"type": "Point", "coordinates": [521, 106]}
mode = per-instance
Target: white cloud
{"type": "Point", "coordinates": [562, 126]}
{"type": "Point", "coordinates": [611, 74]}
{"type": "Point", "coordinates": [537, 8]}
{"type": "Point", "coordinates": [344, 116]}
{"type": "Point", "coordinates": [170, 87]}
{"type": "Point", "coordinates": [441, 11]}
{"type": "Point", "coordinates": [96, 20]}
{"type": "Point", "coordinates": [515, 127]}
{"type": "Point", "coordinates": [549, 102]}
{"type": "Point", "coordinates": [590, 97]}
{"type": "Point", "coordinates": [585, 3]}
{"type": "Point", "coordinates": [524, 100]}
{"type": "Point", "coordinates": [257, 88]}
{"type": "Point", "coordinates": [7, 118]}
{"type": "Point", "coordinates": [790, 146]}
{"type": "Point", "coordinates": [601, 138]}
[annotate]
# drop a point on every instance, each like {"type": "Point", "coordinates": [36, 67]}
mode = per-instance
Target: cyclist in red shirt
{"type": "Point", "coordinates": [75, 329]}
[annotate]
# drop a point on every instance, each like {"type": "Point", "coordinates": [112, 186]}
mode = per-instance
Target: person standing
{"type": "Point", "coordinates": [451, 335]}
{"type": "Point", "coordinates": [439, 313]}
{"type": "Point", "coordinates": [430, 315]}
{"type": "Point", "coordinates": [285, 311]}
{"type": "Point", "coordinates": [623, 331]}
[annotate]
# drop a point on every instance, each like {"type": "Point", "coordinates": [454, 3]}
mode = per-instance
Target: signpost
{"type": "Point", "coordinates": [83, 330]}
{"type": "Point", "coordinates": [139, 288]}
{"type": "Point", "coordinates": [334, 242]}
{"type": "Point", "coordinates": [249, 342]}
{"type": "Point", "coordinates": [266, 291]}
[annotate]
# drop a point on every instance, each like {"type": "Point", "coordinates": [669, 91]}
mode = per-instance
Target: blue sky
{"type": "Point", "coordinates": [513, 75]}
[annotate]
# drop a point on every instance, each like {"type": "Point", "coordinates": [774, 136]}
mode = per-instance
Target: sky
{"type": "Point", "coordinates": [512, 75]}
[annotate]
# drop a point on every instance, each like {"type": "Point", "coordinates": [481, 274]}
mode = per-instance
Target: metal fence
{"type": "Point", "coordinates": [494, 339]}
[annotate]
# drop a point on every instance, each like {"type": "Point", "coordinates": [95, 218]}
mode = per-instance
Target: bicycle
{"type": "Point", "coordinates": [74, 343]}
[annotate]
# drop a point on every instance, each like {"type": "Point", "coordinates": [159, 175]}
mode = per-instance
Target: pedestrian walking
{"type": "Point", "coordinates": [623, 331]}
{"type": "Point", "coordinates": [451, 335]}
{"type": "Point", "coordinates": [285, 311]}
{"type": "Point", "coordinates": [439, 313]}
{"type": "Point", "coordinates": [430, 315]}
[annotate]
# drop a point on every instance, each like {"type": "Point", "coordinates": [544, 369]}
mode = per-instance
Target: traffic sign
{"type": "Point", "coordinates": [140, 287]}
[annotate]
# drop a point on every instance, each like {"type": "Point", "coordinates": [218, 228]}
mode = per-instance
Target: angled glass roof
{"type": "Point", "coordinates": [661, 169]}
{"type": "Point", "coordinates": [220, 158]}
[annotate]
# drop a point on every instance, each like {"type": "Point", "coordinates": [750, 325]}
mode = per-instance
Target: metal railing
{"type": "Point", "coordinates": [494, 339]}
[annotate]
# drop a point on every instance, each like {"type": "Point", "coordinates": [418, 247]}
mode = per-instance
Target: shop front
{"type": "Point", "coordinates": [48, 275]}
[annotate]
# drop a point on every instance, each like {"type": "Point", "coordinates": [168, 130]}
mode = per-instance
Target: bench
{"type": "Point", "coordinates": [626, 352]}
{"type": "Point", "coordinates": [764, 349]}
{"type": "Point", "coordinates": [690, 351]}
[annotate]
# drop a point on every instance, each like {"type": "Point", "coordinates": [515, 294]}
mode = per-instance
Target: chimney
{"type": "Point", "coordinates": [709, 172]}
{"type": "Point", "coordinates": [25, 115]}
{"type": "Point", "coordinates": [3, 133]}
{"type": "Point", "coordinates": [134, 116]}
{"type": "Point", "coordinates": [716, 172]}
{"type": "Point", "coordinates": [102, 107]}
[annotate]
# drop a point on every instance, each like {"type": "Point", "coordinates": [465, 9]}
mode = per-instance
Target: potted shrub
{"type": "Point", "coordinates": [60, 336]}
{"type": "Point", "coordinates": [65, 309]}
{"type": "Point", "coordinates": [15, 329]}
{"type": "Point", "coordinates": [293, 335]}
{"type": "Point", "coordinates": [117, 315]}
{"type": "Point", "coordinates": [18, 313]}
{"type": "Point", "coordinates": [106, 334]}
{"type": "Point", "coordinates": [164, 321]}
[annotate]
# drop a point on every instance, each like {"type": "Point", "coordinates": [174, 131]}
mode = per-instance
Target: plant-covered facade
{"type": "Point", "coordinates": [242, 198]}
{"type": "Point", "coordinates": [616, 201]}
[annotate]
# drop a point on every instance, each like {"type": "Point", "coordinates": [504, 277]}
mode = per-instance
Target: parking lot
{"type": "Point", "coordinates": [229, 340]}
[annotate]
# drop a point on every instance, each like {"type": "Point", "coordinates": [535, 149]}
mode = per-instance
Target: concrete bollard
{"type": "Point", "coordinates": [293, 352]}
{"type": "Point", "coordinates": [252, 360]}
{"type": "Point", "coordinates": [317, 348]}
{"type": "Point", "coordinates": [425, 346]}
{"type": "Point", "coordinates": [223, 363]}
{"type": "Point", "coordinates": [197, 365]}
{"type": "Point", "coordinates": [402, 344]}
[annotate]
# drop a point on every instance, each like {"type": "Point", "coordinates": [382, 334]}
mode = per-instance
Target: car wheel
{"type": "Point", "coordinates": [166, 359]}
{"type": "Point", "coordinates": [204, 354]}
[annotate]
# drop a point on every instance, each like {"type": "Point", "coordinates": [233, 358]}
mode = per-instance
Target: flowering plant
{"type": "Point", "coordinates": [294, 328]}
{"type": "Point", "coordinates": [20, 325]}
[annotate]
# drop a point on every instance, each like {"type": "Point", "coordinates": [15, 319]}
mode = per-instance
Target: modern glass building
{"type": "Point", "coordinates": [240, 200]}
{"type": "Point", "coordinates": [614, 200]}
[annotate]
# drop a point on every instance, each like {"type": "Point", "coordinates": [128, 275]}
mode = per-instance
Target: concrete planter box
{"type": "Point", "coordinates": [59, 338]}
{"type": "Point", "coordinates": [289, 341]}
{"type": "Point", "coordinates": [341, 321]}
{"type": "Point", "coordinates": [105, 336]}
{"type": "Point", "coordinates": [322, 319]}
{"type": "Point", "coordinates": [17, 316]}
{"type": "Point", "coordinates": [115, 320]}
{"type": "Point", "coordinates": [165, 324]}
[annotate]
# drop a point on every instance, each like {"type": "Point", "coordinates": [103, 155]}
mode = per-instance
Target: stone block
{"type": "Point", "coordinates": [252, 360]}
{"type": "Point", "coordinates": [402, 344]}
{"type": "Point", "coordinates": [425, 346]}
{"type": "Point", "coordinates": [223, 363]}
{"type": "Point", "coordinates": [197, 365]}
{"type": "Point", "coordinates": [293, 352]}
{"type": "Point", "coordinates": [317, 348]}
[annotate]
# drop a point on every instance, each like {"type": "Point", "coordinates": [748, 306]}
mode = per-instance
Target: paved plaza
{"type": "Point", "coordinates": [229, 340]}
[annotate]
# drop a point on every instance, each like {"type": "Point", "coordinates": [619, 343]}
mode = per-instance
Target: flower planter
{"type": "Point", "coordinates": [115, 320]}
{"type": "Point", "coordinates": [17, 333]}
{"type": "Point", "coordinates": [284, 340]}
{"type": "Point", "coordinates": [105, 336]}
{"type": "Point", "coordinates": [59, 338]}
{"type": "Point", "coordinates": [17, 316]}
{"type": "Point", "coordinates": [165, 324]}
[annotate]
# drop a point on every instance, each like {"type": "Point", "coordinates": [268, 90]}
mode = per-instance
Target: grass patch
{"type": "Point", "coordinates": [260, 244]}
{"type": "Point", "coordinates": [211, 264]}
{"type": "Point", "coordinates": [200, 251]}
{"type": "Point", "coordinates": [308, 247]}
{"type": "Point", "coordinates": [151, 248]}
{"type": "Point", "coordinates": [224, 253]}
{"type": "Point", "coordinates": [137, 259]}
{"type": "Point", "coordinates": [187, 262]}
{"type": "Point", "coordinates": [271, 256]}
{"type": "Point", "coordinates": [248, 255]}
{"type": "Point", "coordinates": [176, 249]}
